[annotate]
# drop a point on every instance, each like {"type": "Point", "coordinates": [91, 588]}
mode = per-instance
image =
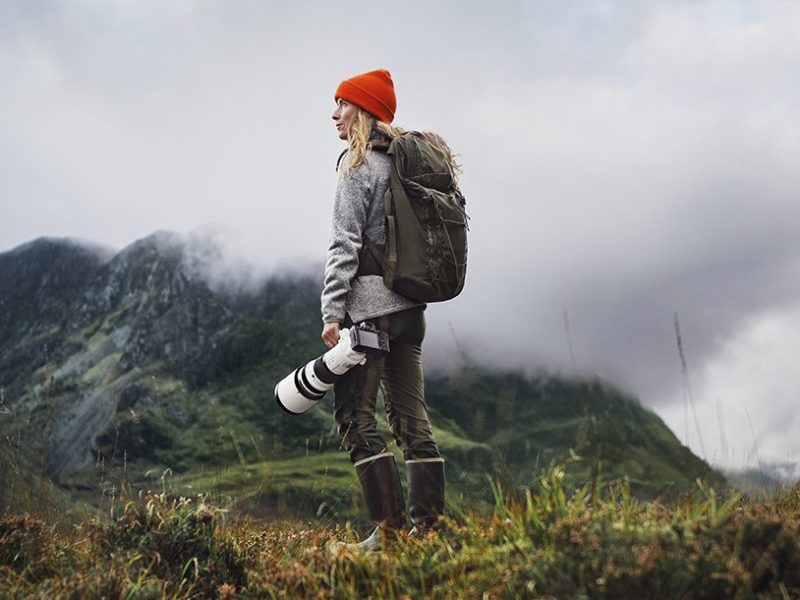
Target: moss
{"type": "Point", "coordinates": [103, 371]}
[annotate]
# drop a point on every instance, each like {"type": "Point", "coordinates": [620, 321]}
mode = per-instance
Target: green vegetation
{"type": "Point", "coordinates": [543, 542]}
{"type": "Point", "coordinates": [500, 425]}
{"type": "Point", "coordinates": [533, 421]}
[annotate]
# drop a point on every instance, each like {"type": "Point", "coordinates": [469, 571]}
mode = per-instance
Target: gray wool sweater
{"type": "Point", "coordinates": [357, 213]}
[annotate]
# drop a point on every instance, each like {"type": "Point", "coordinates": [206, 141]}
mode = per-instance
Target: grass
{"type": "Point", "coordinates": [544, 542]}
{"type": "Point", "coordinates": [321, 484]}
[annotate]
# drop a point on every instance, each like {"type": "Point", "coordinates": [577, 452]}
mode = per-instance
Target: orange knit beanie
{"type": "Point", "coordinates": [372, 92]}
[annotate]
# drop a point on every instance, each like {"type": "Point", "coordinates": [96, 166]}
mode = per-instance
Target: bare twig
{"type": "Point", "coordinates": [568, 332]}
{"type": "Point", "coordinates": [755, 443]}
{"type": "Point", "coordinates": [687, 388]}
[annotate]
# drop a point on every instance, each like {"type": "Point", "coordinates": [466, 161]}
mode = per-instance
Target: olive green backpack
{"type": "Point", "coordinates": [425, 256]}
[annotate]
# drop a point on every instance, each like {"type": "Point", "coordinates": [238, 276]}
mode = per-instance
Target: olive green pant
{"type": "Point", "coordinates": [400, 372]}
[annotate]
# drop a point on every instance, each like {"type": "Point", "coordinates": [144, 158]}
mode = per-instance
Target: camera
{"type": "Point", "coordinates": [368, 339]}
{"type": "Point", "coordinates": [306, 385]}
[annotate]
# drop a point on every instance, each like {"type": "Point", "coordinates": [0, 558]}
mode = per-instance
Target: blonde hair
{"type": "Point", "coordinates": [360, 138]}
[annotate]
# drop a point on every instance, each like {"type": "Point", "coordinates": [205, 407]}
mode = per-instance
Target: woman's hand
{"type": "Point", "coordinates": [330, 334]}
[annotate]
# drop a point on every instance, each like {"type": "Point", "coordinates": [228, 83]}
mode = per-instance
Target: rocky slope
{"type": "Point", "coordinates": [85, 337]}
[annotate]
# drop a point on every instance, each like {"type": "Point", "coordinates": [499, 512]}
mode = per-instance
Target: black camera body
{"type": "Point", "coordinates": [368, 339]}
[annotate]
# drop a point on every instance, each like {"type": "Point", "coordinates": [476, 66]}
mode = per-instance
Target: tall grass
{"type": "Point", "coordinates": [542, 542]}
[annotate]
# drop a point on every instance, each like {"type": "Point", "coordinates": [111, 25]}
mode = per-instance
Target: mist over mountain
{"type": "Point", "coordinates": [160, 357]}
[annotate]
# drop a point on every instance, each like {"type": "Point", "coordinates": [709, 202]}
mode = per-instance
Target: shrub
{"type": "Point", "coordinates": [25, 546]}
{"type": "Point", "coordinates": [179, 540]}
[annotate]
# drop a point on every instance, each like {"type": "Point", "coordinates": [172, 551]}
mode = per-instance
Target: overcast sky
{"type": "Point", "coordinates": [623, 161]}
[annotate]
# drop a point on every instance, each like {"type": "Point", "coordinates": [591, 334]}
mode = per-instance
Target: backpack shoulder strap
{"type": "Point", "coordinates": [396, 150]}
{"type": "Point", "coordinates": [339, 160]}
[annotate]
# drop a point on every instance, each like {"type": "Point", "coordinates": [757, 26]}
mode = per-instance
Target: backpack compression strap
{"type": "Point", "coordinates": [395, 190]}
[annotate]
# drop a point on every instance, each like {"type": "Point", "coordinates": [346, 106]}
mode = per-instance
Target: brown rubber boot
{"type": "Point", "coordinates": [425, 492]}
{"type": "Point", "coordinates": [383, 493]}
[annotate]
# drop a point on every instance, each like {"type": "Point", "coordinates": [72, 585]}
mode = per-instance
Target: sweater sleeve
{"type": "Point", "coordinates": [350, 207]}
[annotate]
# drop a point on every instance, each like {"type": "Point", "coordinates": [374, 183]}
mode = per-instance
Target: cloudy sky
{"type": "Point", "coordinates": [623, 162]}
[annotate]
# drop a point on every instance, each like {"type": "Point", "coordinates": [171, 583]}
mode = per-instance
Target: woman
{"type": "Point", "coordinates": [354, 292]}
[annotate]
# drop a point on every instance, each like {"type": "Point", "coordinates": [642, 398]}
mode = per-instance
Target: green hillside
{"type": "Point", "coordinates": [534, 421]}
{"type": "Point", "coordinates": [118, 369]}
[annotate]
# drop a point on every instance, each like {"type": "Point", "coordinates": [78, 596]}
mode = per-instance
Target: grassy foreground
{"type": "Point", "coordinates": [543, 543]}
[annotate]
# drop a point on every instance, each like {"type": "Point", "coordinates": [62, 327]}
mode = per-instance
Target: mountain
{"type": "Point", "coordinates": [532, 422]}
{"type": "Point", "coordinates": [121, 365]}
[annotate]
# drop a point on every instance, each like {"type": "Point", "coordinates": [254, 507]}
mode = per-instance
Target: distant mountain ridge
{"type": "Point", "coordinates": [81, 328]}
{"type": "Point", "coordinates": [134, 358]}
{"type": "Point", "coordinates": [41, 280]}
